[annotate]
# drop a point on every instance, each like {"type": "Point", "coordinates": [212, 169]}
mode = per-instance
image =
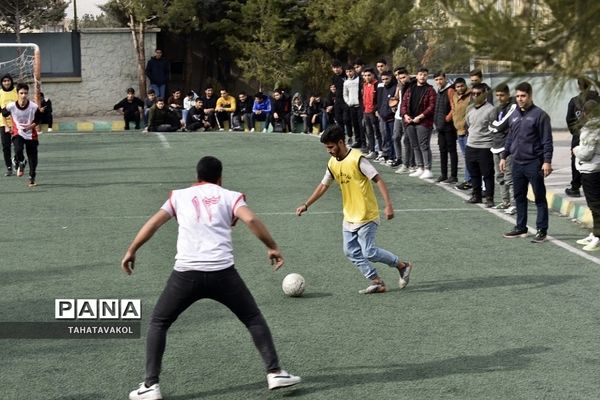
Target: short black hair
{"type": "Point", "coordinates": [369, 69]}
{"type": "Point", "coordinates": [130, 90]}
{"type": "Point", "coordinates": [439, 73]}
{"type": "Point", "coordinates": [333, 134]}
{"type": "Point", "coordinates": [22, 85]}
{"type": "Point", "coordinates": [209, 169]}
{"type": "Point", "coordinates": [460, 80]}
{"type": "Point", "coordinates": [524, 87]}
{"type": "Point", "coordinates": [423, 69]}
{"type": "Point", "coordinates": [359, 61]}
{"type": "Point", "coordinates": [480, 86]}
{"type": "Point", "coordinates": [151, 91]}
{"type": "Point", "coordinates": [503, 88]}
{"type": "Point", "coordinates": [259, 95]}
{"type": "Point", "coordinates": [476, 72]}
{"type": "Point", "coordinates": [336, 63]}
{"type": "Point", "coordinates": [401, 70]}
{"type": "Point", "coordinates": [382, 61]}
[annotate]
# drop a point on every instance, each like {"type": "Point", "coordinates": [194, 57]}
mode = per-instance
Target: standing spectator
{"type": "Point", "coordinates": [529, 141]}
{"type": "Point", "coordinates": [442, 118]}
{"type": "Point", "coordinates": [226, 106]}
{"type": "Point", "coordinates": [499, 128]}
{"type": "Point", "coordinates": [339, 107]}
{"type": "Point", "coordinates": [210, 104]}
{"type": "Point", "coordinates": [418, 104]}
{"type": "Point", "coordinates": [369, 102]}
{"type": "Point", "coordinates": [25, 120]}
{"type": "Point", "coordinates": [204, 268]}
{"type": "Point", "coordinates": [162, 119]}
{"type": "Point", "coordinates": [149, 101]}
{"type": "Point", "coordinates": [587, 153]}
{"type": "Point", "coordinates": [46, 111]}
{"type": "Point", "coordinates": [8, 93]}
{"type": "Point", "coordinates": [329, 108]}
{"type": "Point", "coordinates": [352, 98]}
{"type": "Point", "coordinates": [299, 113]}
{"type": "Point", "coordinates": [476, 76]}
{"type": "Point", "coordinates": [401, 141]}
{"type": "Point", "coordinates": [478, 156]}
{"type": "Point", "coordinates": [261, 110]}
{"type": "Point", "coordinates": [131, 107]}
{"type": "Point", "coordinates": [385, 93]}
{"type": "Point", "coordinates": [462, 100]}
{"type": "Point", "coordinates": [157, 70]}
{"type": "Point", "coordinates": [244, 111]}
{"type": "Point", "coordinates": [574, 123]}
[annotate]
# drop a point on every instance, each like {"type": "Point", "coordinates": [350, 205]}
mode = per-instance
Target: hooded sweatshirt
{"type": "Point", "coordinates": [7, 95]}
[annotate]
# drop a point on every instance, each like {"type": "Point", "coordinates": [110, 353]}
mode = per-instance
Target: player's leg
{"type": "Point", "coordinates": [6, 149]}
{"type": "Point", "coordinates": [31, 147]}
{"type": "Point", "coordinates": [19, 144]}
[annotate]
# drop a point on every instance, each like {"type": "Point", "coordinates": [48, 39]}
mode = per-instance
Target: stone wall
{"type": "Point", "coordinates": [108, 68]}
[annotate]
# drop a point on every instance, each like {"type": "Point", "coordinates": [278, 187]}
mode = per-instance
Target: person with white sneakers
{"type": "Point", "coordinates": [587, 161]}
{"type": "Point", "coordinates": [204, 267]}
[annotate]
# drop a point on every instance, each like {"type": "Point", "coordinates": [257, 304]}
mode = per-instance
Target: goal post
{"type": "Point", "coordinates": [23, 62]}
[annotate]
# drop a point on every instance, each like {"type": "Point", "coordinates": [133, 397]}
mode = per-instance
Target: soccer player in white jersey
{"type": "Point", "coordinates": [204, 267]}
{"type": "Point", "coordinates": [25, 118]}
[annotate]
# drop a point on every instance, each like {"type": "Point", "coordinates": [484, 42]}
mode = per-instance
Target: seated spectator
{"type": "Point", "coordinates": [162, 118]}
{"type": "Point", "coordinates": [299, 113]}
{"type": "Point", "coordinates": [243, 112]}
{"type": "Point", "coordinates": [261, 110]}
{"type": "Point", "coordinates": [175, 102]}
{"type": "Point", "coordinates": [196, 118]}
{"type": "Point", "coordinates": [315, 112]}
{"type": "Point", "coordinates": [210, 103]}
{"type": "Point", "coordinates": [149, 101]}
{"type": "Point", "coordinates": [46, 111]}
{"type": "Point", "coordinates": [131, 107]}
{"type": "Point", "coordinates": [188, 103]}
{"type": "Point", "coordinates": [280, 112]}
{"type": "Point", "coordinates": [226, 106]}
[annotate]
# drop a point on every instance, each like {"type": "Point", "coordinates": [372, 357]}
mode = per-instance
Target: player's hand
{"type": "Point", "coordinates": [276, 259]}
{"type": "Point", "coordinates": [502, 165]}
{"type": "Point", "coordinates": [302, 209]}
{"type": "Point", "coordinates": [547, 169]}
{"type": "Point", "coordinates": [389, 212]}
{"type": "Point", "coordinates": [128, 262]}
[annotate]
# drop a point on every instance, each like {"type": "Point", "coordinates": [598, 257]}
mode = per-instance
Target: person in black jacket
{"type": "Point", "coordinates": [132, 108]}
{"type": "Point", "coordinates": [162, 119]}
{"type": "Point", "coordinates": [158, 70]}
{"type": "Point", "coordinates": [46, 111]}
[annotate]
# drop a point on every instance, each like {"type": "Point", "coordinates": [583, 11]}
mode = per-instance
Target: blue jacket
{"type": "Point", "coordinates": [264, 106]}
{"type": "Point", "coordinates": [529, 137]}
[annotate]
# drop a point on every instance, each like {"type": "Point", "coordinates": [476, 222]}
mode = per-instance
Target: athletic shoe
{"type": "Point", "coordinates": [441, 179]}
{"type": "Point", "coordinates": [402, 170]}
{"type": "Point", "coordinates": [512, 210]}
{"type": "Point", "coordinates": [516, 233]}
{"type": "Point", "coordinates": [282, 379]}
{"type": "Point", "coordinates": [370, 155]}
{"type": "Point", "coordinates": [395, 163]}
{"type": "Point", "coordinates": [14, 163]}
{"type": "Point", "coordinates": [390, 162]}
{"type": "Point", "coordinates": [418, 172]}
{"type": "Point", "coordinates": [426, 174]}
{"type": "Point", "coordinates": [572, 192]}
{"type": "Point", "coordinates": [380, 158]}
{"type": "Point", "coordinates": [502, 206]}
{"type": "Point", "coordinates": [146, 393]}
{"type": "Point", "coordinates": [473, 200]}
{"type": "Point", "coordinates": [21, 169]}
{"type": "Point", "coordinates": [539, 237]}
{"type": "Point", "coordinates": [405, 274]}
{"type": "Point", "coordinates": [464, 186]}
{"type": "Point", "coordinates": [50, 129]}
{"type": "Point", "coordinates": [252, 130]}
{"type": "Point", "coordinates": [32, 182]}
{"type": "Point", "coordinates": [357, 145]}
{"type": "Point", "coordinates": [594, 245]}
{"type": "Point", "coordinates": [587, 240]}
{"type": "Point", "coordinates": [374, 288]}
{"type": "Point", "coordinates": [9, 172]}
{"type": "Point", "coordinates": [450, 180]}
{"type": "Point", "coordinates": [489, 202]}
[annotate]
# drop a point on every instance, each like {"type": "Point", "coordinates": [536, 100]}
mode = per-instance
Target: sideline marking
{"type": "Point", "coordinates": [163, 140]}
{"type": "Point", "coordinates": [511, 219]}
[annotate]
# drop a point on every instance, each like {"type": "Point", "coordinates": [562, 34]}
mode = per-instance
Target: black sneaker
{"type": "Point", "coordinates": [489, 202]}
{"type": "Point", "coordinates": [450, 180]}
{"type": "Point", "coordinates": [356, 145]}
{"type": "Point", "coordinates": [539, 237]}
{"type": "Point", "coordinates": [396, 163]}
{"type": "Point", "coordinates": [441, 179]}
{"type": "Point", "coordinates": [516, 233]}
{"type": "Point", "coordinates": [464, 186]}
{"type": "Point", "coordinates": [572, 192]}
{"type": "Point", "coordinates": [9, 172]}
{"type": "Point", "coordinates": [474, 200]}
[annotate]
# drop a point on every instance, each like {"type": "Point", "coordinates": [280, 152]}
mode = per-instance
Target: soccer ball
{"type": "Point", "coordinates": [293, 285]}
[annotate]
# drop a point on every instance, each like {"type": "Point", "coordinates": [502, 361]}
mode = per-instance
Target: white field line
{"type": "Point", "coordinates": [163, 140]}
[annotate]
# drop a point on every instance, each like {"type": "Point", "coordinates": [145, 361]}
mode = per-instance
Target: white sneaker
{"type": "Point", "coordinates": [427, 174]}
{"type": "Point", "coordinates": [49, 129]}
{"type": "Point", "coordinates": [380, 158]}
{"type": "Point", "coordinates": [370, 155]}
{"type": "Point", "coordinates": [264, 131]}
{"type": "Point", "coordinates": [252, 130]}
{"type": "Point", "coordinates": [594, 245]}
{"type": "Point", "coordinates": [146, 393]}
{"type": "Point", "coordinates": [512, 210]}
{"type": "Point", "coordinates": [587, 240]}
{"type": "Point", "coordinates": [282, 379]}
{"type": "Point", "coordinates": [418, 172]}
{"type": "Point", "coordinates": [402, 170]}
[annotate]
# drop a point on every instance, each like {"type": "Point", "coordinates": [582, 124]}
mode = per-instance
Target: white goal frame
{"type": "Point", "coordinates": [34, 91]}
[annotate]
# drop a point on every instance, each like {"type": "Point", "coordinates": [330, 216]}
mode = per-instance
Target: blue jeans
{"type": "Point", "coordinates": [160, 90]}
{"type": "Point", "coordinates": [359, 247]}
{"type": "Point", "coordinates": [524, 174]}
{"type": "Point", "coordinates": [462, 143]}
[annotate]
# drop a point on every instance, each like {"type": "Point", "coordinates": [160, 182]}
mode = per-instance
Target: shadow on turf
{"type": "Point", "coordinates": [532, 282]}
{"type": "Point", "coordinates": [365, 375]}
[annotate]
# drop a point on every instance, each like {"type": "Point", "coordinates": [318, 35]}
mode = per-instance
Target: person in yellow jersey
{"type": "Point", "coordinates": [354, 174]}
{"type": "Point", "coordinates": [8, 94]}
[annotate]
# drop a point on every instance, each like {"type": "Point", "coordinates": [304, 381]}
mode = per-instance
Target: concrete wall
{"type": "Point", "coordinates": [108, 68]}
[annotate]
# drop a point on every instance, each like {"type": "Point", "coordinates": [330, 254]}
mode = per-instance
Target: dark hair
{"type": "Point", "coordinates": [503, 87]}
{"type": "Point", "coordinates": [333, 134]}
{"type": "Point", "coordinates": [259, 95]}
{"type": "Point", "coordinates": [423, 69]}
{"type": "Point", "coordinates": [583, 84]}
{"type": "Point", "coordinates": [386, 73]}
{"type": "Point", "coordinates": [524, 87]}
{"type": "Point", "coordinates": [460, 80]}
{"type": "Point", "coordinates": [242, 93]}
{"type": "Point", "coordinates": [439, 73]}
{"type": "Point", "coordinates": [480, 86]}
{"type": "Point", "coordinates": [22, 85]}
{"type": "Point", "coordinates": [359, 61]}
{"type": "Point", "coordinates": [382, 61]}
{"type": "Point", "coordinates": [336, 63]}
{"type": "Point", "coordinates": [151, 91]}
{"type": "Point", "coordinates": [130, 90]}
{"type": "Point", "coordinates": [160, 99]}
{"type": "Point", "coordinates": [209, 87]}
{"type": "Point", "coordinates": [369, 69]}
{"type": "Point", "coordinates": [198, 99]}
{"type": "Point", "coordinates": [349, 67]}
{"type": "Point", "coordinates": [476, 72]}
{"type": "Point", "coordinates": [191, 93]}
{"type": "Point", "coordinates": [209, 169]}
{"type": "Point", "coordinates": [401, 70]}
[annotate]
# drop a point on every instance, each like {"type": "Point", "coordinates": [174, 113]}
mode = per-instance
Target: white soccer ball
{"type": "Point", "coordinates": [293, 285]}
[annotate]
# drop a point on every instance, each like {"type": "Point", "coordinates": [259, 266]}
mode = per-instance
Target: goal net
{"type": "Point", "coordinates": [23, 62]}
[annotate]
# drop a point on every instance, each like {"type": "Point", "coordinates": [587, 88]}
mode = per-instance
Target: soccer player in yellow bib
{"type": "Point", "coordinates": [354, 174]}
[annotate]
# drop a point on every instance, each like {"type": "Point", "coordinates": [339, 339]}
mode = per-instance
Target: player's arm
{"type": "Point", "coordinates": [316, 195]}
{"type": "Point", "coordinates": [258, 228]}
{"type": "Point", "coordinates": [145, 233]}
{"type": "Point", "coordinates": [389, 209]}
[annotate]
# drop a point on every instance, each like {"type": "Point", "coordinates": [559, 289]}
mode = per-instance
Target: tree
{"type": "Point", "coordinates": [551, 36]}
{"type": "Point", "coordinates": [18, 15]}
{"type": "Point", "coordinates": [97, 21]}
